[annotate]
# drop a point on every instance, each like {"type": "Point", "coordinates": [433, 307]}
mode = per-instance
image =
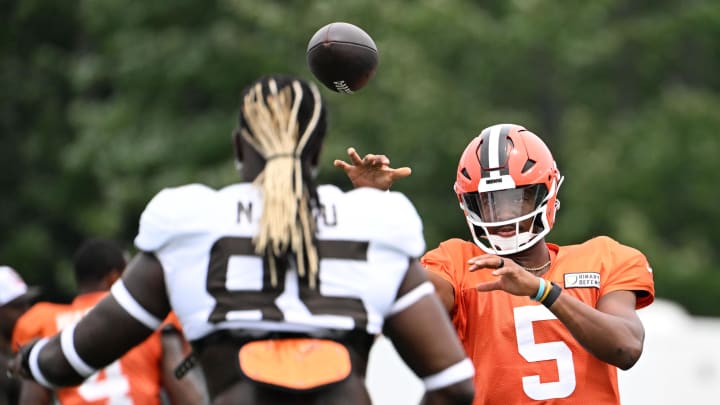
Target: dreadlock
{"type": "Point", "coordinates": [271, 121]}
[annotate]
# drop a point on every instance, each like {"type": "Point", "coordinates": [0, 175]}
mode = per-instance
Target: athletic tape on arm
{"type": "Point", "coordinates": [37, 374]}
{"type": "Point", "coordinates": [412, 297]}
{"type": "Point", "coordinates": [67, 344]}
{"type": "Point", "coordinates": [128, 302]}
{"type": "Point", "coordinates": [459, 371]}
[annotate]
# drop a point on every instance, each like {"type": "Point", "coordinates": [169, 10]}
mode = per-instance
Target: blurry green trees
{"type": "Point", "coordinates": [105, 102]}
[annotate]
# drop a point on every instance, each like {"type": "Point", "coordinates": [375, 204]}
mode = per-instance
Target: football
{"type": "Point", "coordinates": [342, 56]}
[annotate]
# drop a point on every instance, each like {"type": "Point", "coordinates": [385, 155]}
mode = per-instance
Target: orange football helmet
{"type": "Point", "coordinates": [507, 183]}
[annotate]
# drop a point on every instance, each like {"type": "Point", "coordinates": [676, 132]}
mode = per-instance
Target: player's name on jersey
{"type": "Point", "coordinates": [328, 215]}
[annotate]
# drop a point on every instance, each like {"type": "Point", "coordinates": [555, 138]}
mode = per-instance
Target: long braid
{"type": "Point", "coordinates": [287, 224]}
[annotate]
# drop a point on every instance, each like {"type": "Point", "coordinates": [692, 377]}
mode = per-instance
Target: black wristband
{"type": "Point", "coordinates": [552, 296]}
{"type": "Point", "coordinates": [185, 366]}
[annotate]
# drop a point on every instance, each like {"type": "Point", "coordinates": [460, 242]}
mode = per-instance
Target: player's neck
{"type": "Point", "coordinates": [535, 260]}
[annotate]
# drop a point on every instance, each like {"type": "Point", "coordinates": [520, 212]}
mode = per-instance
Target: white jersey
{"type": "Point", "coordinates": [215, 280]}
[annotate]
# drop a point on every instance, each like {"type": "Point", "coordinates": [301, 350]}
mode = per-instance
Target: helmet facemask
{"type": "Point", "coordinates": [508, 221]}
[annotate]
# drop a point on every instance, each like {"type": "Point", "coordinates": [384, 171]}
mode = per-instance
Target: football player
{"type": "Point", "coordinates": [543, 323]}
{"type": "Point", "coordinates": [135, 378]}
{"type": "Point", "coordinates": [280, 285]}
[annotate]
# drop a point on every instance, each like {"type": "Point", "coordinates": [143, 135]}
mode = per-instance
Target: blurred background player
{"type": "Point", "coordinates": [566, 350]}
{"type": "Point", "coordinates": [136, 378]}
{"type": "Point", "coordinates": [281, 285]}
{"type": "Point", "coordinates": [15, 299]}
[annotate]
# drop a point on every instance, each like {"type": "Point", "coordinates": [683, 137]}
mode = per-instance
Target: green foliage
{"type": "Point", "coordinates": [107, 101]}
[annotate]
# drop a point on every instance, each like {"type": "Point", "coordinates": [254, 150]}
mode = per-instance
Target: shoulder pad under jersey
{"type": "Point", "coordinates": [396, 222]}
{"type": "Point", "coordinates": [172, 211]}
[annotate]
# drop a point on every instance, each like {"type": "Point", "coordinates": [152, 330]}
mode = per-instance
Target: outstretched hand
{"type": "Point", "coordinates": [371, 170]}
{"type": "Point", "coordinates": [513, 278]}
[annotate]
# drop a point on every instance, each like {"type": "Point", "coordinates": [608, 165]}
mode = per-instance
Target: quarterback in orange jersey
{"type": "Point", "coordinates": [542, 323]}
{"type": "Point", "coordinates": [137, 377]}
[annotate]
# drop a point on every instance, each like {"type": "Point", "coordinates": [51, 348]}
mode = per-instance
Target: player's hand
{"type": "Point", "coordinates": [371, 170]}
{"type": "Point", "coordinates": [512, 278]}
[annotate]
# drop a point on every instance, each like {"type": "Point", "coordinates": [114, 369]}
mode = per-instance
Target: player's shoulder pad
{"type": "Point", "coordinates": [612, 248]}
{"type": "Point", "coordinates": [445, 253]}
{"type": "Point", "coordinates": [604, 242]}
{"type": "Point", "coordinates": [600, 242]}
{"type": "Point", "coordinates": [453, 243]}
{"type": "Point", "coordinates": [172, 211]}
{"type": "Point", "coordinates": [395, 217]}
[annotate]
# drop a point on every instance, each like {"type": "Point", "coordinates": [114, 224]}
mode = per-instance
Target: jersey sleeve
{"type": "Point", "coordinates": [440, 262]}
{"type": "Point", "coordinates": [446, 261]}
{"type": "Point", "coordinates": [630, 271]}
{"type": "Point", "coordinates": [169, 213]}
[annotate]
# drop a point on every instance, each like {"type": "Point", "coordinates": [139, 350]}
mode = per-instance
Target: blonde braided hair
{"type": "Point", "coordinates": [272, 129]}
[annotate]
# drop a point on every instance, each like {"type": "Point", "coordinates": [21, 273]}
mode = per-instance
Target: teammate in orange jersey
{"type": "Point", "coordinates": [543, 323]}
{"type": "Point", "coordinates": [280, 284]}
{"type": "Point", "coordinates": [136, 378]}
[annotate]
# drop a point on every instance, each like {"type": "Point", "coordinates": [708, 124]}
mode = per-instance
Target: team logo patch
{"type": "Point", "coordinates": [582, 280]}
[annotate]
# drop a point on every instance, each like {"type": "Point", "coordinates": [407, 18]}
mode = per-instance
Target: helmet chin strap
{"type": "Point", "coordinates": [501, 245]}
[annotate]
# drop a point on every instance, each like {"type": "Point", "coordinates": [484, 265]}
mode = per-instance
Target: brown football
{"type": "Point", "coordinates": [342, 56]}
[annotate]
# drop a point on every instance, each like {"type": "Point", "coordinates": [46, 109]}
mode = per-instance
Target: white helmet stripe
{"type": "Point", "coordinates": [493, 153]}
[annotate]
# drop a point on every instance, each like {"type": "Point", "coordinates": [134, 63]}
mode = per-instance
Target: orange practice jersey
{"type": "Point", "coordinates": [522, 353]}
{"type": "Point", "coordinates": [134, 379]}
